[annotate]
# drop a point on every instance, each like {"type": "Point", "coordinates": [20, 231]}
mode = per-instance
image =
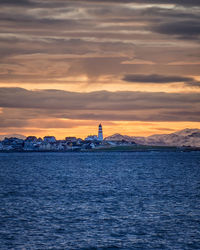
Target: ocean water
{"type": "Point", "coordinates": [111, 200]}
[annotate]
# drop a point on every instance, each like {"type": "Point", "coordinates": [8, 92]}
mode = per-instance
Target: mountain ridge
{"type": "Point", "coordinates": [185, 137]}
{"type": "Point", "coordinates": [12, 135]}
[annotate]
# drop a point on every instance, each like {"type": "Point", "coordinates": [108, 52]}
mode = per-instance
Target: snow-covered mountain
{"type": "Point", "coordinates": [119, 137]}
{"type": "Point", "coordinates": [186, 137]}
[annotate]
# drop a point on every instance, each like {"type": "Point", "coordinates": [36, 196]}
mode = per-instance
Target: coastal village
{"type": "Point", "coordinates": [183, 139]}
{"type": "Point", "coordinates": [49, 143]}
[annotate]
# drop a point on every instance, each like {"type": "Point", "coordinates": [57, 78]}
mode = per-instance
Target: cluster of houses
{"type": "Point", "coordinates": [49, 143]}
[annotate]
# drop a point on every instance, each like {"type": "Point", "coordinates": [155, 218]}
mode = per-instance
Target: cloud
{"type": "Point", "coordinates": [187, 29]}
{"type": "Point", "coordinates": [16, 3]}
{"type": "Point", "coordinates": [57, 39]}
{"type": "Point", "coordinates": [138, 61]}
{"type": "Point", "coordinates": [21, 105]}
{"type": "Point", "coordinates": [178, 2]}
{"type": "Point", "coordinates": [193, 84]}
{"type": "Point", "coordinates": [155, 78]}
{"type": "Point", "coordinates": [56, 3]}
{"type": "Point", "coordinates": [99, 100]}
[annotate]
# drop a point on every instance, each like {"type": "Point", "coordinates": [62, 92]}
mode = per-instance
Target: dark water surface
{"type": "Point", "coordinates": [144, 200]}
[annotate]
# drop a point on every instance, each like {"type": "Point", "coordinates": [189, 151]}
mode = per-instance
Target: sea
{"type": "Point", "coordinates": [100, 200]}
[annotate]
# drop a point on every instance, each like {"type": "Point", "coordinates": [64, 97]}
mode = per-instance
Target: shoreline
{"type": "Point", "coordinates": [141, 148]}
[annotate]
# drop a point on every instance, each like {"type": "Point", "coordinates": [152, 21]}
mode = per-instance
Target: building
{"type": "Point", "coordinates": [91, 138]}
{"type": "Point", "coordinates": [31, 139]}
{"type": "Point", "coordinates": [12, 143]}
{"type": "Point", "coordinates": [48, 139]}
{"type": "Point", "coordinates": [100, 133]}
{"type": "Point", "coordinates": [71, 139]}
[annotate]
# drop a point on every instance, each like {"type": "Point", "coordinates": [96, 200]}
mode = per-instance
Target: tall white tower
{"type": "Point", "coordinates": [100, 133]}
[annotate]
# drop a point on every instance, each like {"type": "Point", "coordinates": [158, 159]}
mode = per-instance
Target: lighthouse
{"type": "Point", "coordinates": [100, 133]}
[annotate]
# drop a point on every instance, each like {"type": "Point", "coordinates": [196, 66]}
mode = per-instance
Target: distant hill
{"type": "Point", "coordinates": [12, 135]}
{"type": "Point", "coordinates": [186, 137]}
{"type": "Point", "coordinates": [119, 137]}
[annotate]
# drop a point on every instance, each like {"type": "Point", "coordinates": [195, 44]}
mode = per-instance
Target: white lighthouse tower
{"type": "Point", "coordinates": [100, 133]}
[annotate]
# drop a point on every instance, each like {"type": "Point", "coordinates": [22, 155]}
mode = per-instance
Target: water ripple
{"type": "Point", "coordinates": [100, 200]}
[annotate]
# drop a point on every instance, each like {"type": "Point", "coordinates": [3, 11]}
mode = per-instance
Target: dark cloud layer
{"type": "Point", "coordinates": [63, 2]}
{"type": "Point", "coordinates": [16, 3]}
{"type": "Point", "coordinates": [179, 2]}
{"type": "Point", "coordinates": [156, 78]}
{"type": "Point", "coordinates": [101, 105]}
{"type": "Point", "coordinates": [189, 29]}
{"type": "Point", "coordinates": [99, 100]}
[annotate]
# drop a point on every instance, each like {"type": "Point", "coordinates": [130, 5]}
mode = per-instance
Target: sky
{"type": "Point", "coordinates": [68, 65]}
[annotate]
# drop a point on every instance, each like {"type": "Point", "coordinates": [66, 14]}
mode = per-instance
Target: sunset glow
{"type": "Point", "coordinates": [67, 66]}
